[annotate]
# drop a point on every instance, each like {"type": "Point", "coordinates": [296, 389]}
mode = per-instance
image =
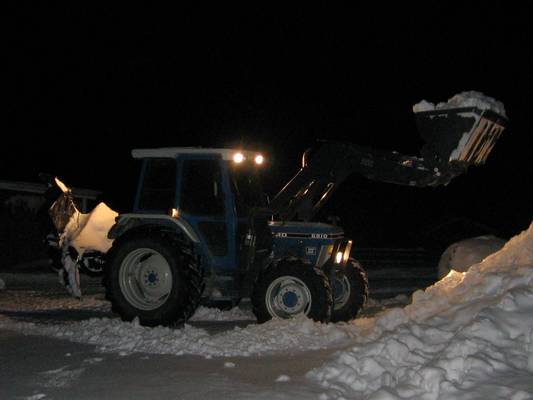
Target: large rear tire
{"type": "Point", "coordinates": [292, 288]}
{"type": "Point", "coordinates": [350, 292]}
{"type": "Point", "coordinates": [152, 279]}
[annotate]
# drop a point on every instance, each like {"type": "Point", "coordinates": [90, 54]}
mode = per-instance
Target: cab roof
{"type": "Point", "coordinates": [173, 152]}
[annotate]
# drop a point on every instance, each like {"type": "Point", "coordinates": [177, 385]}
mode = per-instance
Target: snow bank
{"type": "Point", "coordinates": [215, 314]}
{"type": "Point", "coordinates": [465, 99]}
{"type": "Point", "coordinates": [275, 336]}
{"type": "Point", "coordinates": [468, 336]}
{"type": "Point", "coordinates": [461, 255]}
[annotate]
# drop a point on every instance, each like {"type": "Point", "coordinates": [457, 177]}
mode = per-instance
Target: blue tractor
{"type": "Point", "coordinates": [202, 230]}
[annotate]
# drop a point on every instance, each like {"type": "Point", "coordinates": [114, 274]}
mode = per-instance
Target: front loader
{"type": "Point", "coordinates": [455, 139]}
{"type": "Point", "coordinates": [201, 230]}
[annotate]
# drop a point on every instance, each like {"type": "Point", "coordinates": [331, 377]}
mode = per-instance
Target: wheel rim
{"type": "Point", "coordinates": [288, 296]}
{"type": "Point", "coordinates": [145, 279]}
{"type": "Point", "coordinates": [341, 292]}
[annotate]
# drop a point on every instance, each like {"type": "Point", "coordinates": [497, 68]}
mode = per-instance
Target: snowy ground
{"type": "Point", "coordinates": [470, 336]}
{"type": "Point", "coordinates": [54, 346]}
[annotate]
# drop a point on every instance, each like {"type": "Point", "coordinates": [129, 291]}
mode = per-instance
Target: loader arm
{"type": "Point", "coordinates": [454, 140]}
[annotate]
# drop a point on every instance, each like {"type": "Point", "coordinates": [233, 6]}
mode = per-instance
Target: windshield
{"type": "Point", "coordinates": [246, 187]}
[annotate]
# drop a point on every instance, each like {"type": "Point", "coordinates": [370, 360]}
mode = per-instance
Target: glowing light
{"type": "Point", "coordinates": [347, 250]}
{"type": "Point", "coordinates": [62, 186]}
{"type": "Point", "coordinates": [259, 159]}
{"type": "Point", "coordinates": [174, 213]}
{"type": "Point", "coordinates": [238, 158]}
{"type": "Point", "coordinates": [338, 257]}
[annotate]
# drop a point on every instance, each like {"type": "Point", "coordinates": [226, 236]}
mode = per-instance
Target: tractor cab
{"type": "Point", "coordinates": [214, 196]}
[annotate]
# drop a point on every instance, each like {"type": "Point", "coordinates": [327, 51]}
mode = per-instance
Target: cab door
{"type": "Point", "coordinates": [205, 203]}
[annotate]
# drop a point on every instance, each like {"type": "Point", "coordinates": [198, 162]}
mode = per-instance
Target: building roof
{"type": "Point", "coordinates": [40, 188]}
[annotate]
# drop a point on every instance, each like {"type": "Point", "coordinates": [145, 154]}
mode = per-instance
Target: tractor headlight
{"type": "Point", "coordinates": [343, 253]}
{"type": "Point", "coordinates": [259, 159]}
{"type": "Point", "coordinates": [347, 251]}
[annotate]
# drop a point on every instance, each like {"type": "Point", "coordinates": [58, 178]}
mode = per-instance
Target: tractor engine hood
{"type": "Point", "coordinates": [305, 230]}
{"type": "Point", "coordinates": [312, 242]}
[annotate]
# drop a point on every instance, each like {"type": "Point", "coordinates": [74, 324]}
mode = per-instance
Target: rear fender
{"type": "Point", "coordinates": [128, 222]}
{"type": "Point", "coordinates": [135, 225]}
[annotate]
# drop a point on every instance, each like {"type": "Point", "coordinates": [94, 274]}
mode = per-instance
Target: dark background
{"type": "Point", "coordinates": [86, 84]}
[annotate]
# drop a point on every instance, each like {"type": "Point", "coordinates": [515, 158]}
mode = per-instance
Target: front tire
{"type": "Point", "coordinates": [292, 288]}
{"type": "Point", "coordinates": [350, 291]}
{"type": "Point", "coordinates": [151, 279]}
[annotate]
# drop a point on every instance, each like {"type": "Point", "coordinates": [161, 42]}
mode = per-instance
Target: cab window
{"type": "Point", "coordinates": [201, 188]}
{"type": "Point", "coordinates": [158, 185]}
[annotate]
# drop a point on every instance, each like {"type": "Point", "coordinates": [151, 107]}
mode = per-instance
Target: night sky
{"type": "Point", "coordinates": [86, 84]}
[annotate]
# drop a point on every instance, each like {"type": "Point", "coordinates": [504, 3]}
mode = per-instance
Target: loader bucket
{"type": "Point", "coordinates": [459, 135]}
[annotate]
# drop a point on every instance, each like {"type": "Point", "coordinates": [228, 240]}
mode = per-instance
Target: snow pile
{"type": "Point", "coordinates": [468, 336]}
{"type": "Point", "coordinates": [461, 255]}
{"type": "Point", "coordinates": [275, 336]}
{"type": "Point", "coordinates": [465, 99]}
{"type": "Point", "coordinates": [215, 314]}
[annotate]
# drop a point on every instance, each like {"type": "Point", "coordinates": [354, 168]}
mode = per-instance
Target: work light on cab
{"type": "Point", "coordinates": [238, 158]}
{"type": "Point", "coordinates": [259, 159]}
